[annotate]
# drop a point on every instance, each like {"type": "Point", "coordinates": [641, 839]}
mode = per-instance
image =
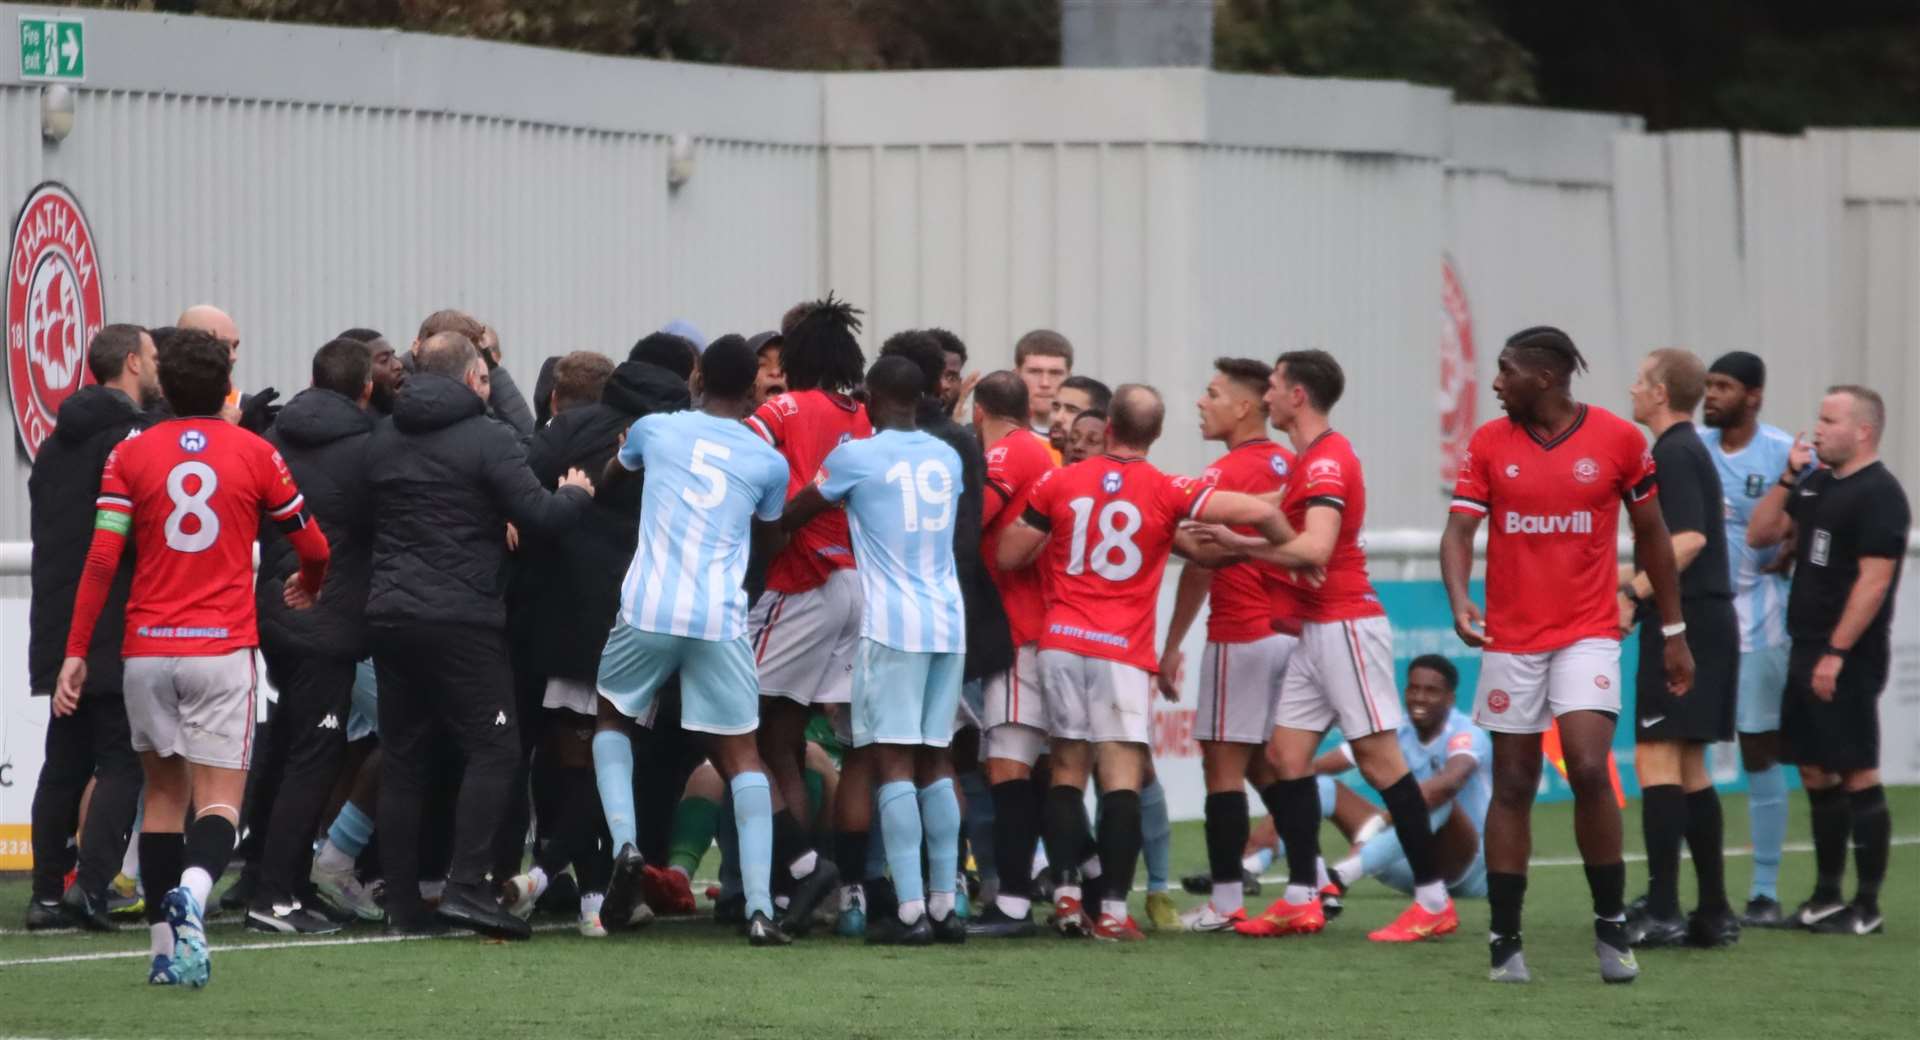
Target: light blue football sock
{"type": "Point", "coordinates": [978, 820]}
{"type": "Point", "coordinates": [351, 830]}
{"type": "Point", "coordinates": [613, 774]}
{"type": "Point", "coordinates": [900, 811]}
{"type": "Point", "coordinates": [940, 818]}
{"type": "Point", "coordinates": [1767, 818]}
{"type": "Point", "coordinates": [1156, 835]}
{"type": "Point", "coordinates": [753, 821]}
{"type": "Point", "coordinates": [1326, 787]}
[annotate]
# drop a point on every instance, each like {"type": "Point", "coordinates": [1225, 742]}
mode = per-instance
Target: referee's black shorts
{"type": "Point", "coordinates": [1705, 713]}
{"type": "Point", "coordinates": [1840, 735]}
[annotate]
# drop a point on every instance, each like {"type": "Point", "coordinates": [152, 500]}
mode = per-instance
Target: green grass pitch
{"type": "Point", "coordinates": [689, 978]}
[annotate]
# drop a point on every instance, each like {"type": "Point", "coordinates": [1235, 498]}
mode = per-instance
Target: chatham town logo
{"type": "Point", "coordinates": [55, 304]}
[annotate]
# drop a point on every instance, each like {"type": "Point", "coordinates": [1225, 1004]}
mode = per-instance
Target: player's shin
{"type": "Point", "coordinates": [1227, 826]}
{"type": "Point", "coordinates": [902, 834]}
{"type": "Point", "coordinates": [210, 842]}
{"type": "Point", "coordinates": [940, 817]}
{"type": "Point", "coordinates": [1410, 824]}
{"type": "Point", "coordinates": [613, 774]}
{"type": "Point", "coordinates": [1119, 842]}
{"type": "Point", "coordinates": [1156, 834]}
{"type": "Point", "coordinates": [753, 823]}
{"type": "Point", "coordinates": [1298, 820]}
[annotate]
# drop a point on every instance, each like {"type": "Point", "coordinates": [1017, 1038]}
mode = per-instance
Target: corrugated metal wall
{"type": "Point", "coordinates": [1159, 218]}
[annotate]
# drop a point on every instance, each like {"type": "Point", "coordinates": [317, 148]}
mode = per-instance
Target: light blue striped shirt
{"type": "Point", "coordinates": [901, 489]}
{"type": "Point", "coordinates": [706, 479]}
{"type": "Point", "coordinates": [1745, 477]}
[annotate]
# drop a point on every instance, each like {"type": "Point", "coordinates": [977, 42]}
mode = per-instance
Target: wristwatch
{"type": "Point", "coordinates": [1834, 651]}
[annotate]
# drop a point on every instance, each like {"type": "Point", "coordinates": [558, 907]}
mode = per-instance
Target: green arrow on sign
{"type": "Point", "coordinates": [53, 47]}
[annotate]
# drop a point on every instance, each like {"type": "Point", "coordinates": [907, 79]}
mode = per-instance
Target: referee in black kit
{"type": "Point", "coordinates": [1850, 522]}
{"type": "Point", "coordinates": [1678, 801]}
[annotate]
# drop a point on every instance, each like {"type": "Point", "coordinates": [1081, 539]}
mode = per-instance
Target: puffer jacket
{"type": "Point", "coordinates": [62, 490]}
{"type": "Point", "coordinates": [323, 437]}
{"type": "Point", "coordinates": [989, 644]}
{"type": "Point", "coordinates": [446, 479]}
{"type": "Point", "coordinates": [566, 590]}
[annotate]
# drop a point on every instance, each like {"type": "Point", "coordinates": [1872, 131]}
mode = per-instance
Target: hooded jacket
{"type": "Point", "coordinates": [62, 489]}
{"type": "Point", "coordinates": [323, 437]}
{"type": "Point", "coordinates": [446, 479]}
{"type": "Point", "coordinates": [566, 590]}
{"type": "Point", "coordinates": [989, 643]}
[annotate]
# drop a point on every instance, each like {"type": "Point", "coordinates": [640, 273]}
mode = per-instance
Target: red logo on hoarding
{"type": "Point", "coordinates": [1457, 379]}
{"type": "Point", "coordinates": [1497, 701]}
{"type": "Point", "coordinates": [54, 306]}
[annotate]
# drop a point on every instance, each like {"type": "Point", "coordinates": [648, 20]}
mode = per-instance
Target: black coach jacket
{"type": "Point", "coordinates": [62, 489]}
{"type": "Point", "coordinates": [445, 481]}
{"type": "Point", "coordinates": [323, 437]}
{"type": "Point", "coordinates": [566, 590]}
{"type": "Point", "coordinates": [989, 643]}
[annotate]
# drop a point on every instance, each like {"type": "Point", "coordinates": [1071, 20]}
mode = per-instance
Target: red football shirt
{"type": "Point", "coordinates": [1328, 473]}
{"type": "Point", "coordinates": [192, 491]}
{"type": "Point", "coordinates": [1014, 464]}
{"type": "Point", "coordinates": [805, 426]}
{"type": "Point", "coordinates": [1552, 568]}
{"type": "Point", "coordinates": [1246, 598]}
{"type": "Point", "coordinates": [1111, 524]}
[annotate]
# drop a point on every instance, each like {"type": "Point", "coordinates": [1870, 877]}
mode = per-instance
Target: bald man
{"type": "Point", "coordinates": [218, 324]}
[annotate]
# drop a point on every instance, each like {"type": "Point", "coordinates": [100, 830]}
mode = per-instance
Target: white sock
{"type": "Point", "coordinates": [1229, 896]}
{"type": "Point", "coordinates": [940, 905]}
{"type": "Point", "coordinates": [912, 910]}
{"type": "Point", "coordinates": [1298, 894]}
{"type": "Point", "coordinates": [590, 903]}
{"type": "Point", "coordinates": [130, 863]}
{"type": "Point", "coordinates": [1348, 871]}
{"type": "Point", "coordinates": [197, 881]}
{"type": "Point", "coordinates": [432, 890]}
{"type": "Point", "coordinates": [1251, 864]}
{"type": "Point", "coordinates": [803, 866]}
{"type": "Point", "coordinates": [1320, 872]}
{"type": "Point", "coordinates": [1066, 892]}
{"type": "Point", "coordinates": [680, 870]}
{"type": "Point", "coordinates": [539, 881]}
{"type": "Point", "coordinates": [1114, 908]}
{"type": "Point", "coordinates": [1013, 906]}
{"type": "Point", "coordinates": [1431, 896]}
{"type": "Point", "coordinates": [160, 939]}
{"type": "Point", "coordinates": [852, 897]}
{"type": "Point", "coordinates": [332, 860]}
{"type": "Point", "coordinates": [1091, 868]}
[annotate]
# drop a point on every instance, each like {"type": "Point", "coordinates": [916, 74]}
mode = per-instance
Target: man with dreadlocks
{"type": "Point", "coordinates": [805, 627]}
{"type": "Point", "coordinates": [1551, 475]}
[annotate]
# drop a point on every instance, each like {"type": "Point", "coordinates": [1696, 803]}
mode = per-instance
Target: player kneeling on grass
{"type": "Point", "coordinates": [901, 488]}
{"type": "Point", "coordinates": [191, 491]}
{"type": "Point", "coordinates": [683, 608]}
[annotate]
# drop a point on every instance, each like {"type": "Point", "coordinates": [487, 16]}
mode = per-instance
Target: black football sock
{"type": "Point", "coordinates": [791, 844]}
{"type": "Point", "coordinates": [1298, 822]}
{"type": "Point", "coordinates": [1015, 829]}
{"type": "Point", "coordinates": [1408, 808]}
{"type": "Point", "coordinates": [1119, 842]}
{"type": "Point", "coordinates": [1227, 827]}
{"type": "Point", "coordinates": [162, 858]}
{"type": "Point", "coordinates": [1607, 882]}
{"type": "Point", "coordinates": [1067, 836]}
{"type": "Point", "coordinates": [850, 855]}
{"type": "Point", "coordinates": [1706, 839]}
{"type": "Point", "coordinates": [210, 843]}
{"type": "Point", "coordinates": [1832, 820]}
{"type": "Point", "coordinates": [1872, 842]}
{"type": "Point", "coordinates": [1505, 895]}
{"type": "Point", "coordinates": [1663, 821]}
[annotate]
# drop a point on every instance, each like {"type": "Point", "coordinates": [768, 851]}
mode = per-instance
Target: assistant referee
{"type": "Point", "coordinates": [1850, 521]}
{"type": "Point", "coordinates": [1672, 732]}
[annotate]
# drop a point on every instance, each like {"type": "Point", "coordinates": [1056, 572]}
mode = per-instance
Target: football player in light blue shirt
{"type": "Point", "coordinates": [682, 609]}
{"type": "Point", "coordinates": [1452, 759]}
{"type": "Point", "coordinates": [901, 487]}
{"type": "Point", "coordinates": [1751, 456]}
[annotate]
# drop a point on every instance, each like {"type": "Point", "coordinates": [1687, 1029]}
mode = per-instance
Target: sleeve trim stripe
{"type": "Point", "coordinates": [114, 502]}
{"type": "Point", "coordinates": [761, 429]}
{"type": "Point", "coordinates": [288, 508]}
{"type": "Point", "coordinates": [1199, 501]}
{"type": "Point", "coordinates": [1471, 505]}
{"type": "Point", "coordinates": [1328, 500]}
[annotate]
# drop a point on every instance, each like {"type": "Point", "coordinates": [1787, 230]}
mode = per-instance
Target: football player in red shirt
{"type": "Point", "coordinates": [1342, 671]}
{"type": "Point", "coordinates": [1552, 475]}
{"type": "Point", "coordinates": [191, 491]}
{"type": "Point", "coordinates": [805, 626]}
{"type": "Point", "coordinates": [1015, 728]}
{"type": "Point", "coordinates": [1108, 525]}
{"type": "Point", "coordinates": [1246, 654]}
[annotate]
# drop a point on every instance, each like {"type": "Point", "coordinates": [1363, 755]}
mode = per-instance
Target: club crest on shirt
{"type": "Point", "coordinates": [1279, 465]}
{"type": "Point", "coordinates": [193, 441]}
{"type": "Point", "coordinates": [1756, 485]}
{"type": "Point", "coordinates": [1111, 482]}
{"type": "Point", "coordinates": [1586, 471]}
{"type": "Point", "coordinates": [1512, 471]}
